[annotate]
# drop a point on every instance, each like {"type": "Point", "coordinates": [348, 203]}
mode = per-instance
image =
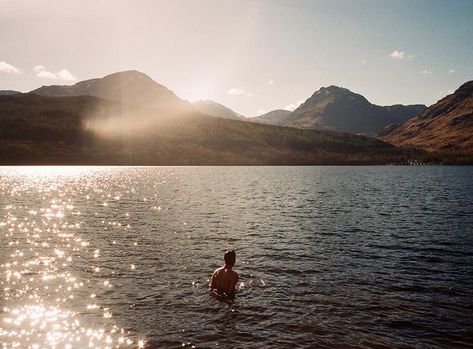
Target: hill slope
{"type": "Point", "coordinates": [338, 109]}
{"type": "Point", "coordinates": [446, 125]}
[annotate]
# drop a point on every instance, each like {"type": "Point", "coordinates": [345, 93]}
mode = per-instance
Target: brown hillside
{"type": "Point", "coordinates": [446, 125]}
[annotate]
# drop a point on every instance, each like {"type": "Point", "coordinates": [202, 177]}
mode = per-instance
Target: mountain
{"type": "Point", "coordinates": [339, 109]}
{"type": "Point", "coordinates": [446, 125]}
{"type": "Point", "coordinates": [215, 109]}
{"type": "Point", "coordinates": [128, 119]}
{"type": "Point", "coordinates": [37, 129]}
{"type": "Point", "coordinates": [129, 87]}
{"type": "Point", "coordinates": [332, 108]}
{"type": "Point", "coordinates": [8, 92]}
{"type": "Point", "coordinates": [275, 117]}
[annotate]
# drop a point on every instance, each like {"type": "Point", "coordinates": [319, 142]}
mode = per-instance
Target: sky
{"type": "Point", "coordinates": [250, 55]}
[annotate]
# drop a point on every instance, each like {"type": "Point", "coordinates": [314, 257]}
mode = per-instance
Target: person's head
{"type": "Point", "coordinates": [229, 258]}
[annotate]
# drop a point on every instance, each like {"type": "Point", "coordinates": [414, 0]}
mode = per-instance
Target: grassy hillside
{"type": "Point", "coordinates": [87, 130]}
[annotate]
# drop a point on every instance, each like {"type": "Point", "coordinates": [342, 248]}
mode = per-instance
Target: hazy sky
{"type": "Point", "coordinates": [252, 56]}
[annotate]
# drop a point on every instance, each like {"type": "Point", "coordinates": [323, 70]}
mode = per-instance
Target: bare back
{"type": "Point", "coordinates": [224, 280]}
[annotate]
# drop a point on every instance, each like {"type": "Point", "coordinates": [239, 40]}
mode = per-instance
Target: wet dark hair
{"type": "Point", "coordinates": [230, 257]}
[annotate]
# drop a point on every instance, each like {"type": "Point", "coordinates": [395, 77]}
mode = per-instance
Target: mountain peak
{"type": "Point", "coordinates": [130, 86]}
{"type": "Point", "coordinates": [334, 88]}
{"type": "Point", "coordinates": [465, 89]}
{"type": "Point", "coordinates": [337, 108]}
{"type": "Point", "coordinates": [335, 91]}
{"type": "Point", "coordinates": [129, 74]}
{"type": "Point", "coordinates": [466, 85]}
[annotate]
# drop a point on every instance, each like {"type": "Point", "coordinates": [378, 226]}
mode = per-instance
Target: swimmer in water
{"type": "Point", "coordinates": [224, 279]}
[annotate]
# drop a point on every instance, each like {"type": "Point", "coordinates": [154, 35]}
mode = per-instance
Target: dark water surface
{"type": "Point", "coordinates": [329, 257]}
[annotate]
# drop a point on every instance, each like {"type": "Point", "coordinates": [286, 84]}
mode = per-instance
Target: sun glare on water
{"type": "Point", "coordinates": [52, 171]}
{"type": "Point", "coordinates": [45, 301]}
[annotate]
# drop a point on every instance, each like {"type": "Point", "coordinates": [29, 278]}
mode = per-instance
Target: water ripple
{"type": "Point", "coordinates": [328, 257]}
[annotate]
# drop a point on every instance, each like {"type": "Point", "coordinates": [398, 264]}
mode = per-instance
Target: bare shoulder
{"type": "Point", "coordinates": [217, 270]}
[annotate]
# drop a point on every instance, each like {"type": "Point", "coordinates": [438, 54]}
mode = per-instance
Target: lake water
{"type": "Point", "coordinates": [367, 257]}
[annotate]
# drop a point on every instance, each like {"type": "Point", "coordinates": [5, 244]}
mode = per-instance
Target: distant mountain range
{"type": "Point", "coordinates": [338, 109]}
{"type": "Point", "coordinates": [447, 125]}
{"type": "Point", "coordinates": [330, 108]}
{"type": "Point", "coordinates": [38, 129]}
{"type": "Point", "coordinates": [127, 118]}
{"type": "Point", "coordinates": [215, 109]}
{"type": "Point", "coordinates": [8, 92]}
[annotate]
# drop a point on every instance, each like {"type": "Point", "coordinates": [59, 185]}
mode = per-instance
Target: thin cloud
{"type": "Point", "coordinates": [363, 61]}
{"type": "Point", "coordinates": [239, 92]}
{"type": "Point", "coordinates": [270, 82]}
{"type": "Point", "coordinates": [39, 68]}
{"type": "Point", "coordinates": [47, 75]}
{"type": "Point", "coordinates": [63, 74]}
{"type": "Point", "coordinates": [426, 72]}
{"type": "Point", "coordinates": [451, 71]}
{"type": "Point", "coordinates": [8, 68]}
{"type": "Point", "coordinates": [235, 91]}
{"type": "Point", "coordinates": [400, 55]}
{"type": "Point", "coordinates": [293, 106]}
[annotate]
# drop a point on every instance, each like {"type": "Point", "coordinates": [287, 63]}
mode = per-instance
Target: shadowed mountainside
{"type": "Point", "coordinates": [88, 130]}
{"type": "Point", "coordinates": [8, 92]}
{"type": "Point", "coordinates": [275, 117]}
{"type": "Point", "coordinates": [338, 109]}
{"type": "Point", "coordinates": [446, 125]}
